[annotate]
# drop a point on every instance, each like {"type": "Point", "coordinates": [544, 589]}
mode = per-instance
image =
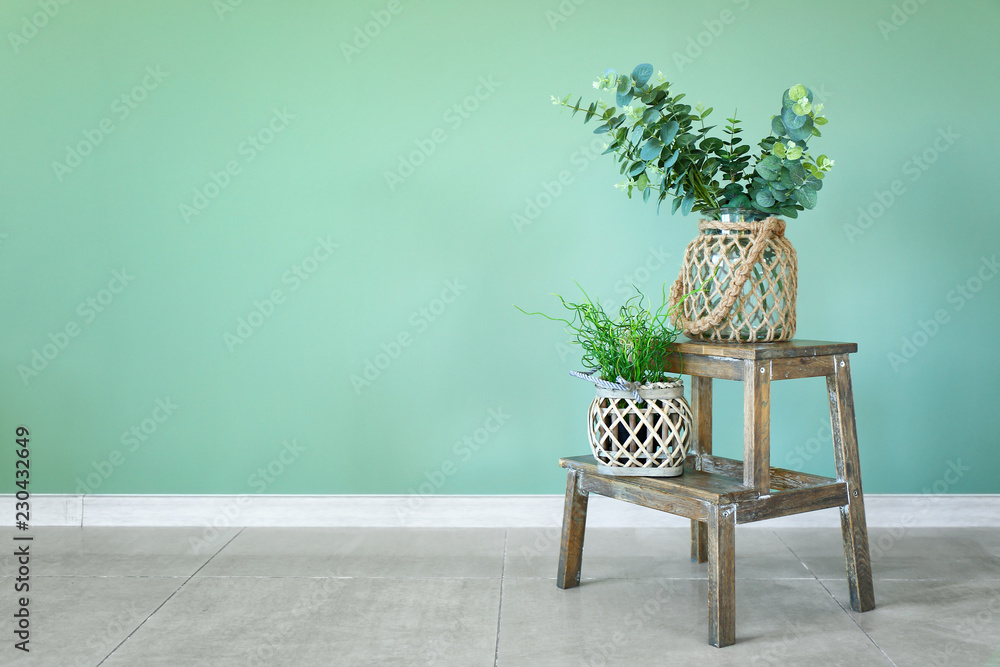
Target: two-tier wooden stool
{"type": "Point", "coordinates": [717, 493]}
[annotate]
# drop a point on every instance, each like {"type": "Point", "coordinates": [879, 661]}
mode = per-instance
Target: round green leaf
{"type": "Point", "coordinates": [764, 198]}
{"type": "Point", "coordinates": [806, 197]}
{"type": "Point", "coordinates": [791, 119]}
{"type": "Point", "coordinates": [803, 133]}
{"type": "Point", "coordinates": [651, 149]}
{"type": "Point", "coordinates": [797, 173]}
{"type": "Point", "coordinates": [769, 167]}
{"type": "Point", "coordinates": [739, 201]}
{"type": "Point", "coordinates": [641, 73]}
{"type": "Point", "coordinates": [711, 144]}
{"type": "Point", "coordinates": [687, 204]}
{"type": "Point", "coordinates": [778, 127]}
{"type": "Point", "coordinates": [686, 139]}
{"type": "Point", "coordinates": [668, 132]}
{"type": "Point", "coordinates": [624, 95]}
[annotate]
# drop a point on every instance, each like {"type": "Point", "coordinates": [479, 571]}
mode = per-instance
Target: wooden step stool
{"type": "Point", "coordinates": [717, 493]}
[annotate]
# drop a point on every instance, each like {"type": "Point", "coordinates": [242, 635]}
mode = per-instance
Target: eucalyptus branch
{"type": "Point", "coordinates": [782, 179]}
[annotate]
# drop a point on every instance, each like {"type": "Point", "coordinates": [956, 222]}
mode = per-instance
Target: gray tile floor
{"type": "Point", "coordinates": [480, 597]}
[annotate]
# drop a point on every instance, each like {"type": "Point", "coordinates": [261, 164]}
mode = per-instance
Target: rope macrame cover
{"type": "Point", "coordinates": [741, 287]}
{"type": "Point", "coordinates": [646, 437]}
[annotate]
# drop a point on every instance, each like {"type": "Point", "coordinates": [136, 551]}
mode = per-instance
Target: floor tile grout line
{"type": "Point", "coordinates": [830, 593]}
{"type": "Point", "coordinates": [169, 597]}
{"type": "Point", "coordinates": [503, 569]}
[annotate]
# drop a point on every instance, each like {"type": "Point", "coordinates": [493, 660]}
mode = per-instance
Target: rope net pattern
{"type": "Point", "coordinates": [740, 279]}
{"type": "Point", "coordinates": [649, 433]}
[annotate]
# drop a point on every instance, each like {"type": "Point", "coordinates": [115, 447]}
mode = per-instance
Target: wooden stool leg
{"type": "Point", "coordinates": [852, 517]}
{"type": "Point", "coordinates": [573, 525]}
{"type": "Point", "coordinates": [701, 443]}
{"type": "Point", "coordinates": [699, 541]}
{"type": "Point", "coordinates": [757, 426]}
{"type": "Point", "coordinates": [722, 576]}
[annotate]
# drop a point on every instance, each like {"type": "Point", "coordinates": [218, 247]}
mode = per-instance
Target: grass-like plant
{"type": "Point", "coordinates": [665, 149]}
{"type": "Point", "coordinates": [630, 345]}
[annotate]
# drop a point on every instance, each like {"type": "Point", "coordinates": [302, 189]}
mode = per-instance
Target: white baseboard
{"type": "Point", "coordinates": [453, 511]}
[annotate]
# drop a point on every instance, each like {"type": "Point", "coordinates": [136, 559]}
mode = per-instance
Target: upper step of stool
{"type": "Point", "coordinates": [759, 351]}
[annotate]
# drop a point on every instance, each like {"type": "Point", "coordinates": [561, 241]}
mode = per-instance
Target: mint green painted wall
{"type": "Point", "coordinates": [346, 119]}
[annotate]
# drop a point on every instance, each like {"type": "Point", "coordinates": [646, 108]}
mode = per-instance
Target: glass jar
{"type": "Point", "coordinates": [763, 306]}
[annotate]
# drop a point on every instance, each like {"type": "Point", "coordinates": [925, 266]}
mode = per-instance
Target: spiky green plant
{"type": "Point", "coordinates": [631, 345]}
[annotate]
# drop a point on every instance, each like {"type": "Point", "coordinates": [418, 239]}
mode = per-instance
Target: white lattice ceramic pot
{"type": "Point", "coordinates": [644, 437]}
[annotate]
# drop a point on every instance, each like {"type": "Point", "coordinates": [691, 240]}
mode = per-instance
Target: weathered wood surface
{"type": "Point", "coordinates": [702, 486]}
{"type": "Point", "coordinates": [794, 501]}
{"type": "Point", "coordinates": [757, 426]}
{"type": "Point", "coordinates": [701, 445]}
{"type": "Point", "coordinates": [697, 365]}
{"type": "Point", "coordinates": [792, 368]}
{"type": "Point", "coordinates": [699, 541]}
{"type": "Point", "coordinates": [781, 479]}
{"type": "Point", "coordinates": [852, 517]}
{"type": "Point", "coordinates": [621, 488]}
{"type": "Point", "coordinates": [701, 411]}
{"type": "Point", "coordinates": [573, 527]}
{"type": "Point", "coordinates": [722, 575]}
{"type": "Point", "coordinates": [759, 351]}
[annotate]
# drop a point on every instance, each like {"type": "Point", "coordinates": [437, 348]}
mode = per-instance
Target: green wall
{"type": "Point", "coordinates": [231, 164]}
